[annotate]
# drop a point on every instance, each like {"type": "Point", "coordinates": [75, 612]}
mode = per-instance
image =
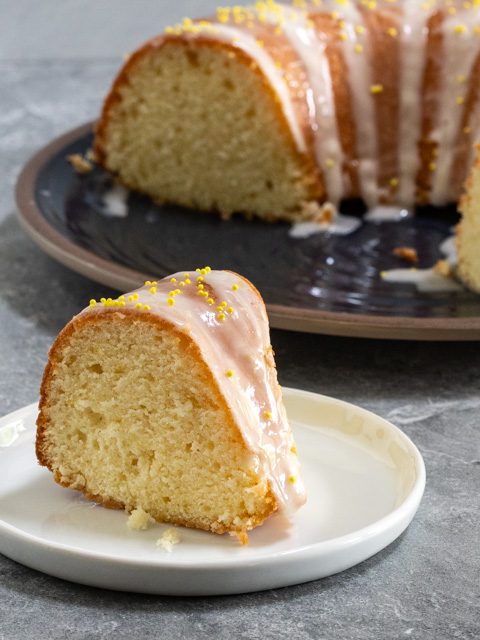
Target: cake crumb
{"type": "Point", "coordinates": [241, 536]}
{"type": "Point", "coordinates": [168, 539]}
{"type": "Point", "coordinates": [406, 253]}
{"type": "Point", "coordinates": [320, 213]}
{"type": "Point", "coordinates": [80, 164]}
{"type": "Point", "coordinates": [443, 268]}
{"type": "Point", "coordinates": [139, 520]}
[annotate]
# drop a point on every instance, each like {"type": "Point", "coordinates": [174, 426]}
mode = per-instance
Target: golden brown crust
{"type": "Point", "coordinates": [432, 80]}
{"type": "Point", "coordinates": [93, 316]}
{"type": "Point", "coordinates": [385, 61]}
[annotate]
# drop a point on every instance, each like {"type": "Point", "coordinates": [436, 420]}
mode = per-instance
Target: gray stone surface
{"type": "Point", "coordinates": [426, 585]}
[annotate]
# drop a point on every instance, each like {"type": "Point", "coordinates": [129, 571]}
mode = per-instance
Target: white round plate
{"type": "Point", "coordinates": [364, 478]}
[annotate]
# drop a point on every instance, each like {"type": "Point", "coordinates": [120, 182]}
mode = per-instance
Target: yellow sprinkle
{"type": "Point", "coordinates": [329, 163]}
{"type": "Point", "coordinates": [359, 29]}
{"type": "Point", "coordinates": [103, 300]}
{"type": "Point", "coordinates": [200, 279]}
{"type": "Point", "coordinates": [207, 269]}
{"type": "Point", "coordinates": [211, 301]}
{"type": "Point", "coordinates": [146, 307]}
{"type": "Point", "coordinates": [459, 99]}
{"type": "Point", "coordinates": [220, 308]}
{"type": "Point", "coordinates": [224, 303]}
{"type": "Point", "coordinates": [135, 296]}
{"type": "Point", "coordinates": [177, 291]}
{"type": "Point", "coordinates": [293, 450]}
{"type": "Point", "coordinates": [130, 298]}
{"type": "Point", "coordinates": [432, 166]}
{"type": "Point", "coordinates": [452, 11]}
{"type": "Point", "coordinates": [170, 301]}
{"type": "Point", "coordinates": [392, 32]}
{"type": "Point", "coordinates": [138, 305]}
{"type": "Point", "coordinates": [147, 282]}
{"type": "Point", "coordinates": [221, 317]}
{"type": "Point", "coordinates": [197, 269]}
{"type": "Point", "coordinates": [92, 302]}
{"type": "Point", "coordinates": [267, 415]}
{"type": "Point", "coordinates": [291, 479]}
{"type": "Point", "coordinates": [476, 29]}
{"type": "Point", "coordinates": [394, 182]}
{"type": "Point", "coordinates": [229, 373]}
{"type": "Point", "coordinates": [466, 130]}
{"type": "Point", "coordinates": [459, 29]}
{"type": "Point", "coordinates": [358, 48]}
{"type": "Point", "coordinates": [461, 79]}
{"type": "Point", "coordinates": [123, 297]}
{"type": "Point", "coordinates": [376, 88]}
{"type": "Point", "coordinates": [182, 283]}
{"type": "Point", "coordinates": [203, 271]}
{"type": "Point", "coordinates": [186, 275]}
{"type": "Point", "coordinates": [343, 36]}
{"type": "Point", "coordinates": [230, 309]}
{"type": "Point", "coordinates": [153, 290]}
{"type": "Point", "coordinates": [234, 287]}
{"type": "Point", "coordinates": [173, 279]}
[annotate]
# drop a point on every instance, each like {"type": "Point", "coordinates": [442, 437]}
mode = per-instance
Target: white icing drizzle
{"type": "Point", "coordinates": [240, 344]}
{"type": "Point", "coordinates": [341, 225]}
{"type": "Point", "coordinates": [384, 213]}
{"type": "Point", "coordinates": [245, 41]}
{"type": "Point", "coordinates": [412, 66]}
{"type": "Point", "coordinates": [360, 79]}
{"type": "Point", "coordinates": [425, 280]}
{"type": "Point", "coordinates": [459, 54]}
{"type": "Point", "coordinates": [327, 140]}
{"type": "Point", "coordinates": [114, 202]}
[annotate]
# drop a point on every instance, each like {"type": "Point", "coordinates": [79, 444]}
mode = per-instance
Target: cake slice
{"type": "Point", "coordinates": [167, 400]}
{"type": "Point", "coordinates": [468, 231]}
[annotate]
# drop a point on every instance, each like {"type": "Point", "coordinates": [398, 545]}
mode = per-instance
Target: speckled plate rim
{"type": "Point", "coordinates": [221, 577]}
{"type": "Point", "coordinates": [123, 278]}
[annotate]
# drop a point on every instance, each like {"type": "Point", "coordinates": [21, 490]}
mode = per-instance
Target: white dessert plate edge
{"type": "Point", "coordinates": [268, 564]}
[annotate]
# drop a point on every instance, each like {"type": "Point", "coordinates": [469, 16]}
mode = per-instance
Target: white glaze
{"type": "Point", "coordinates": [390, 213]}
{"type": "Point", "coordinates": [341, 225]}
{"type": "Point", "coordinates": [328, 149]}
{"type": "Point", "coordinates": [241, 344]}
{"type": "Point", "coordinates": [114, 202]}
{"type": "Point", "coordinates": [425, 280]}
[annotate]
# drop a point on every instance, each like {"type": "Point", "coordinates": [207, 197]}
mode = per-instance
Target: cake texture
{"type": "Point", "coordinates": [468, 231]}
{"type": "Point", "coordinates": [165, 402]}
{"type": "Point", "coordinates": [265, 109]}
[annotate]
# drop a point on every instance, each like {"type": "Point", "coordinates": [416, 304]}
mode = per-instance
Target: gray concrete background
{"type": "Point", "coordinates": [56, 60]}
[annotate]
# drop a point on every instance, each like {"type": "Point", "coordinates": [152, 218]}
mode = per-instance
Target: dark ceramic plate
{"type": "Point", "coordinates": [325, 283]}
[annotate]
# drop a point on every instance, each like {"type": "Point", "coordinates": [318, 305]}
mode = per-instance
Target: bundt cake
{"type": "Point", "coordinates": [267, 108]}
{"type": "Point", "coordinates": [166, 401]}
